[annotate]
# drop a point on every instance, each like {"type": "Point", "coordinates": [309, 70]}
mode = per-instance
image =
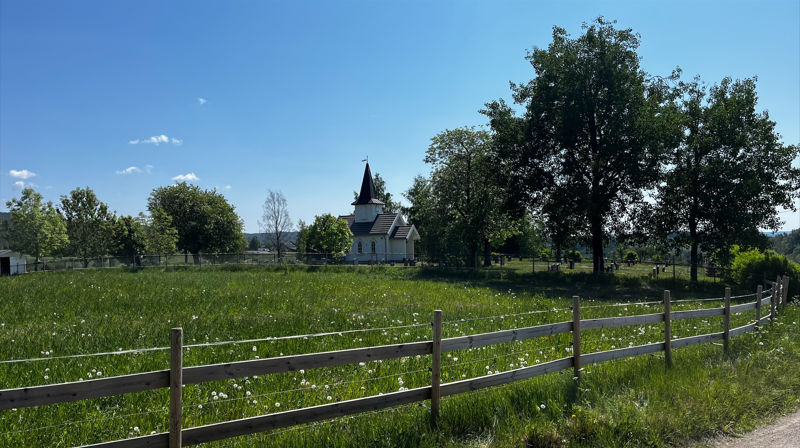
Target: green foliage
{"type": "Point", "coordinates": [389, 204]}
{"type": "Point", "coordinates": [329, 235]}
{"type": "Point", "coordinates": [750, 268]}
{"type": "Point", "coordinates": [90, 225]}
{"type": "Point", "coordinates": [589, 142]}
{"type": "Point", "coordinates": [128, 238]}
{"type": "Point", "coordinates": [205, 220]}
{"type": "Point", "coordinates": [254, 243]}
{"type": "Point", "coordinates": [730, 171]}
{"type": "Point", "coordinates": [631, 256]}
{"type": "Point", "coordinates": [788, 244]}
{"type": "Point", "coordinates": [160, 237]}
{"type": "Point", "coordinates": [575, 256]}
{"type": "Point", "coordinates": [35, 228]}
{"type": "Point", "coordinates": [464, 194]}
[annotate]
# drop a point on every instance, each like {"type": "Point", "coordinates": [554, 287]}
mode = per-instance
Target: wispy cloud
{"type": "Point", "coordinates": [156, 140]}
{"type": "Point", "coordinates": [20, 184]}
{"type": "Point", "coordinates": [190, 177]}
{"type": "Point", "coordinates": [227, 187]}
{"type": "Point", "coordinates": [130, 170]}
{"type": "Point", "coordinates": [21, 174]}
{"type": "Point", "coordinates": [148, 168]}
{"type": "Point", "coordinates": [202, 101]}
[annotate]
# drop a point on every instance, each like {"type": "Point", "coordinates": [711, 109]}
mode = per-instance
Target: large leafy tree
{"type": "Point", "coordinates": [389, 204]}
{"type": "Point", "coordinates": [466, 189]}
{"type": "Point", "coordinates": [329, 235]}
{"type": "Point", "coordinates": [90, 225]}
{"type": "Point", "coordinates": [35, 227]}
{"type": "Point", "coordinates": [205, 220]}
{"type": "Point", "coordinates": [590, 136]}
{"type": "Point", "coordinates": [728, 173]}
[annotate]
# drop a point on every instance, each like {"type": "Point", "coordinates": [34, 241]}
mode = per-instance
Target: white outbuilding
{"type": "Point", "coordinates": [11, 263]}
{"type": "Point", "coordinates": [378, 236]}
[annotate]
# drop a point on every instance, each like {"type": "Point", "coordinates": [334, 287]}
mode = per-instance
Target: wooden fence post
{"type": "Point", "coordinates": [667, 329]}
{"type": "Point", "coordinates": [436, 369]}
{"type": "Point", "coordinates": [175, 387]}
{"type": "Point", "coordinates": [785, 296]}
{"type": "Point", "coordinates": [759, 297]}
{"type": "Point", "coordinates": [576, 337]}
{"type": "Point", "coordinates": [726, 320]}
{"type": "Point", "coordinates": [772, 298]}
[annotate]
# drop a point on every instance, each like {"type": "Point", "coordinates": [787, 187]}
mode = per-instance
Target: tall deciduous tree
{"type": "Point", "coordinates": [35, 227]}
{"type": "Point", "coordinates": [90, 225]}
{"type": "Point", "coordinates": [204, 219]}
{"type": "Point", "coordinates": [728, 173]}
{"type": "Point", "coordinates": [275, 221]}
{"type": "Point", "coordinates": [464, 176]}
{"type": "Point", "coordinates": [590, 133]}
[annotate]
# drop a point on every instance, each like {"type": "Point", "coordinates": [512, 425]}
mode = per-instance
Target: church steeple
{"type": "Point", "coordinates": [367, 194]}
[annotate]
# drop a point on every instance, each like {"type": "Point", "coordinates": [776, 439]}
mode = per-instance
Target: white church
{"type": "Point", "coordinates": [378, 236]}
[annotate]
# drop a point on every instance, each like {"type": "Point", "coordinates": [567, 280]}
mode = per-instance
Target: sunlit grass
{"type": "Point", "coordinates": [629, 402]}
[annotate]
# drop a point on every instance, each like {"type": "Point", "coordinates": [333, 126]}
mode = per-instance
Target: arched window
{"type": "Point", "coordinates": [373, 247]}
{"type": "Point", "coordinates": [360, 249]}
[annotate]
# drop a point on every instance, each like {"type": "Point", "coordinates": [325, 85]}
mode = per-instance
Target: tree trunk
{"type": "Point", "coordinates": [473, 256]}
{"type": "Point", "coordinates": [196, 258]}
{"type": "Point", "coordinates": [597, 246]}
{"type": "Point", "coordinates": [487, 253]}
{"type": "Point", "coordinates": [693, 260]}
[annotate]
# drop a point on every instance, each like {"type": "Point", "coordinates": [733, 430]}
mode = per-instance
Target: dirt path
{"type": "Point", "coordinates": [784, 433]}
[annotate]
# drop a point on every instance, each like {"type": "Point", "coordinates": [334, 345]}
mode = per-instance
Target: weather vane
{"type": "Point", "coordinates": [365, 159]}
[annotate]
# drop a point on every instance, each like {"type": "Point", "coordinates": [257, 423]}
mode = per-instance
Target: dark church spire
{"type": "Point", "coordinates": [368, 194]}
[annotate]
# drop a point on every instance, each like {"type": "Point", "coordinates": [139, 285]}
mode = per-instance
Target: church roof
{"type": "Point", "coordinates": [367, 194]}
{"type": "Point", "coordinates": [380, 226]}
{"type": "Point", "coordinates": [401, 232]}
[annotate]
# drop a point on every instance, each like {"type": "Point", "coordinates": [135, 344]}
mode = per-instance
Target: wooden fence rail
{"type": "Point", "coordinates": [177, 376]}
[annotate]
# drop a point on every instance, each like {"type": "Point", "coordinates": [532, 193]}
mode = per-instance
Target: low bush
{"type": "Point", "coordinates": [750, 268]}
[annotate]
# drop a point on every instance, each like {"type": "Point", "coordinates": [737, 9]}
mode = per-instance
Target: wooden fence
{"type": "Point", "coordinates": [177, 375]}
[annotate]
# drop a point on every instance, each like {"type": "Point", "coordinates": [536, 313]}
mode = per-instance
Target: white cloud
{"type": "Point", "coordinates": [202, 101]}
{"type": "Point", "coordinates": [21, 174]}
{"type": "Point", "coordinates": [186, 177]}
{"type": "Point", "coordinates": [19, 184]}
{"type": "Point", "coordinates": [157, 140]}
{"type": "Point", "coordinates": [130, 170]}
{"type": "Point", "coordinates": [228, 187]}
{"type": "Point", "coordinates": [148, 168]}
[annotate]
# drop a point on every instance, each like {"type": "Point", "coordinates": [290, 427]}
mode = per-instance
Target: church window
{"type": "Point", "coordinates": [360, 249]}
{"type": "Point", "coordinates": [373, 247]}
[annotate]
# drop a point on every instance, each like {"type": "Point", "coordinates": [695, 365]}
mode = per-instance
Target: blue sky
{"type": "Point", "coordinates": [257, 95]}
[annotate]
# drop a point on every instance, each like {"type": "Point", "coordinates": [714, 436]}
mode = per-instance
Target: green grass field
{"type": "Point", "coordinates": [633, 402]}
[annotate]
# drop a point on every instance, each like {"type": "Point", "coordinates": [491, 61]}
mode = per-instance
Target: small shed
{"type": "Point", "coordinates": [11, 263]}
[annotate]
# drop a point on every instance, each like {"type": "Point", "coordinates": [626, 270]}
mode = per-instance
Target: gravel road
{"type": "Point", "coordinates": [784, 433]}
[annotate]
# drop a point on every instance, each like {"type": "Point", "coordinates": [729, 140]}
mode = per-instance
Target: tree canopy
{"type": "Point", "coordinates": [204, 219]}
{"type": "Point", "coordinates": [727, 173]}
{"type": "Point", "coordinates": [589, 136]}
{"type": "Point", "coordinates": [35, 227]}
{"type": "Point", "coordinates": [90, 225]}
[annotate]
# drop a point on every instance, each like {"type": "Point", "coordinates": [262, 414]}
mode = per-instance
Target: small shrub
{"type": "Point", "coordinates": [750, 269]}
{"type": "Point", "coordinates": [631, 256]}
{"type": "Point", "coordinates": [575, 256]}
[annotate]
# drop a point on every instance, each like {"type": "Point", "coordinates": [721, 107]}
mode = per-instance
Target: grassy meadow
{"type": "Point", "coordinates": [633, 402]}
